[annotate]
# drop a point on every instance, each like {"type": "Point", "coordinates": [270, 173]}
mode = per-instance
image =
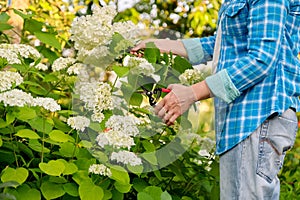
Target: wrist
{"type": "Point", "coordinates": [201, 91]}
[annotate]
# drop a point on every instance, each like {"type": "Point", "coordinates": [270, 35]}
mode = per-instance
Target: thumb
{"type": "Point", "coordinates": [171, 86]}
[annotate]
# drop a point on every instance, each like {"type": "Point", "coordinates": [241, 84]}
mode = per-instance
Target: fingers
{"type": "Point", "coordinates": [167, 109]}
{"type": "Point", "coordinates": [139, 46]}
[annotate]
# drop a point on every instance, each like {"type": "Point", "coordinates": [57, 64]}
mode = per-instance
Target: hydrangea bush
{"type": "Point", "coordinates": [81, 127]}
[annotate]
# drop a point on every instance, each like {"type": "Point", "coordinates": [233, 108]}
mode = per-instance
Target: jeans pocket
{"type": "Point", "coordinates": [277, 135]}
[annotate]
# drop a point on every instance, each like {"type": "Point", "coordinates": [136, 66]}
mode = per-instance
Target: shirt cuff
{"type": "Point", "coordinates": [194, 50]}
{"type": "Point", "coordinates": [222, 87]}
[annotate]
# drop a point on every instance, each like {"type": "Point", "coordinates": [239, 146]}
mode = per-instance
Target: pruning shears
{"type": "Point", "coordinates": [154, 95]}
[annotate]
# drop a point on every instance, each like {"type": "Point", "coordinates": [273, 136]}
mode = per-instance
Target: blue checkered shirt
{"type": "Point", "coordinates": [258, 72]}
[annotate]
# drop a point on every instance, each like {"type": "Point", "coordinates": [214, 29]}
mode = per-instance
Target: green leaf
{"type": "Point", "coordinates": [57, 179]}
{"type": "Point", "coordinates": [21, 14]}
{"type": "Point", "coordinates": [154, 191]}
{"type": "Point", "coordinates": [67, 149]}
{"type": "Point", "coordinates": [138, 169]}
{"type": "Point", "coordinates": [37, 146]}
{"type": "Point", "coordinates": [1, 141]}
{"type": "Point", "coordinates": [53, 167]}
{"type": "Point", "coordinates": [149, 147]}
{"type": "Point", "coordinates": [4, 17]}
{"type": "Point", "coordinates": [37, 90]}
{"type": "Point", "coordinates": [150, 157]}
{"type": "Point", "coordinates": [70, 168]}
{"type": "Point", "coordinates": [119, 174]}
{"type": "Point", "coordinates": [33, 25]}
{"type": "Point", "coordinates": [89, 191]}
{"type": "Point", "coordinates": [24, 192]}
{"type": "Point", "coordinates": [152, 53]}
{"type": "Point", "coordinates": [139, 184]}
{"type": "Point", "coordinates": [50, 78]}
{"type": "Point", "coordinates": [58, 136]}
{"type": "Point", "coordinates": [136, 99]}
{"type": "Point", "coordinates": [25, 113]}
{"type": "Point", "coordinates": [81, 176]}
{"type": "Point", "coordinates": [19, 175]}
{"type": "Point", "coordinates": [27, 133]}
{"type": "Point", "coordinates": [144, 196]}
{"type": "Point", "coordinates": [4, 27]}
{"type": "Point", "coordinates": [9, 184]}
{"type": "Point", "coordinates": [101, 156]}
{"type": "Point", "coordinates": [165, 196]}
{"type": "Point", "coordinates": [71, 189]}
{"type": "Point", "coordinates": [60, 125]}
{"type": "Point", "coordinates": [52, 190]}
{"type": "Point", "coordinates": [123, 188]}
{"type": "Point", "coordinates": [181, 64]}
{"type": "Point", "coordinates": [48, 38]}
{"type": "Point", "coordinates": [10, 118]}
{"type": "Point", "coordinates": [121, 71]}
{"type": "Point", "coordinates": [40, 124]}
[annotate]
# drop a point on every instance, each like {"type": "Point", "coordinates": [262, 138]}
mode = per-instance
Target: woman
{"type": "Point", "coordinates": [255, 86]}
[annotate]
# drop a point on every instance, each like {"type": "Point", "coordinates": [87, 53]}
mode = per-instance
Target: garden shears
{"type": "Point", "coordinates": [154, 95]}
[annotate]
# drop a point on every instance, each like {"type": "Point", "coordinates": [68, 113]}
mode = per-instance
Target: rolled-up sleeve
{"type": "Point", "coordinates": [199, 50]}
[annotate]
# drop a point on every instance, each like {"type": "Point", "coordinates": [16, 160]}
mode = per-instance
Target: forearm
{"type": "Point", "coordinates": [175, 47]}
{"type": "Point", "coordinates": [201, 90]}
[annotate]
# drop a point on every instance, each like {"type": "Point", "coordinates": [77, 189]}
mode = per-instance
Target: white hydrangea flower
{"type": "Point", "coordinates": [40, 66]}
{"type": "Point", "coordinates": [97, 117]}
{"type": "Point", "coordinates": [100, 169]}
{"type": "Point", "coordinates": [92, 35]}
{"type": "Point", "coordinates": [96, 96]}
{"type": "Point", "coordinates": [62, 63]}
{"type": "Point", "coordinates": [126, 157]}
{"type": "Point", "coordinates": [127, 29]}
{"type": "Point", "coordinates": [10, 56]}
{"type": "Point", "coordinates": [23, 50]}
{"type": "Point", "coordinates": [75, 69]}
{"type": "Point", "coordinates": [191, 76]}
{"type": "Point", "coordinates": [16, 97]}
{"type": "Point", "coordinates": [8, 79]}
{"type": "Point", "coordinates": [47, 103]}
{"type": "Point", "coordinates": [140, 66]}
{"type": "Point", "coordinates": [78, 123]}
{"type": "Point", "coordinates": [120, 132]}
{"type": "Point", "coordinates": [127, 125]}
{"type": "Point", "coordinates": [116, 139]}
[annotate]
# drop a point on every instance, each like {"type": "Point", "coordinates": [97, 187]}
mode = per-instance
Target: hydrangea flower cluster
{"type": "Point", "coordinates": [126, 157]}
{"type": "Point", "coordinates": [13, 53]}
{"type": "Point", "coordinates": [47, 103]}
{"type": "Point", "coordinates": [10, 56]}
{"type": "Point", "coordinates": [62, 63]}
{"type": "Point", "coordinates": [92, 35]}
{"type": "Point", "coordinates": [40, 66]}
{"type": "Point", "coordinates": [100, 169]}
{"type": "Point", "coordinates": [78, 123]}
{"type": "Point", "coordinates": [20, 98]}
{"type": "Point", "coordinates": [8, 79]}
{"type": "Point", "coordinates": [75, 69]}
{"type": "Point", "coordinates": [140, 66]}
{"type": "Point", "coordinates": [16, 97]}
{"type": "Point", "coordinates": [119, 132]}
{"type": "Point", "coordinates": [191, 76]}
{"type": "Point", "coordinates": [97, 97]}
{"type": "Point", "coordinates": [22, 50]}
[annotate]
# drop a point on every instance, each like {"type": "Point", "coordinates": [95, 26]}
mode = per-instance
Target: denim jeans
{"type": "Point", "coordinates": [249, 170]}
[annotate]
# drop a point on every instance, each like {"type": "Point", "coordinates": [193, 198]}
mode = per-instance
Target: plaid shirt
{"type": "Point", "coordinates": [258, 69]}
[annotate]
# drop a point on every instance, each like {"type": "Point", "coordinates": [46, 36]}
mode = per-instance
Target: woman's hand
{"type": "Point", "coordinates": [175, 103]}
{"type": "Point", "coordinates": [179, 100]}
{"type": "Point", "coordinates": [164, 45]}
